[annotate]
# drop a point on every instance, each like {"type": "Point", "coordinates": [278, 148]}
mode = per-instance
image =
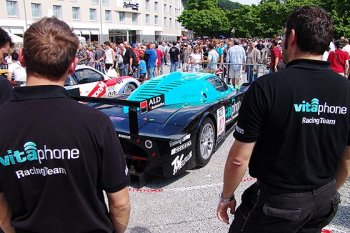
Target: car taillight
{"type": "Point", "coordinates": [138, 141]}
{"type": "Point", "coordinates": [154, 155]}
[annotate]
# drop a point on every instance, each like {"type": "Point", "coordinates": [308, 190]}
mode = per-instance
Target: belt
{"type": "Point", "coordinates": [278, 190]}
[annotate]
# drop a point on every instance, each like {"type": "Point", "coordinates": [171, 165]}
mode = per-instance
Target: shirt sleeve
{"type": "Point", "coordinates": [114, 172]}
{"type": "Point", "coordinates": [251, 114]}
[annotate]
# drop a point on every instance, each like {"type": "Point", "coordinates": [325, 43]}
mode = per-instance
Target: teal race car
{"type": "Point", "coordinates": [181, 120]}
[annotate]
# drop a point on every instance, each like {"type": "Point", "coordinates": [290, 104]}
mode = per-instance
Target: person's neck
{"type": "Point", "coordinates": [303, 55]}
{"type": "Point", "coordinates": [37, 80]}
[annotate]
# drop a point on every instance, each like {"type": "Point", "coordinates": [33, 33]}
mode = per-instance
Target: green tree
{"type": "Point", "coordinates": [204, 17]}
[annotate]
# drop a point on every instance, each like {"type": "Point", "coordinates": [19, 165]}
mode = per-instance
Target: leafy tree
{"type": "Point", "coordinates": [204, 17]}
{"type": "Point", "coordinates": [228, 5]}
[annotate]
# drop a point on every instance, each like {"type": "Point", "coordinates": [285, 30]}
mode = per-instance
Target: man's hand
{"type": "Point", "coordinates": [222, 209]}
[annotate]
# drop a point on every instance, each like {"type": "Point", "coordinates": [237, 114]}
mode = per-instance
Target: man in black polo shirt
{"type": "Point", "coordinates": [293, 132]}
{"type": "Point", "coordinates": [57, 155]}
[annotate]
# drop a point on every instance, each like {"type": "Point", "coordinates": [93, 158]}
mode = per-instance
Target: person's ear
{"type": "Point", "coordinates": [72, 65]}
{"type": "Point", "coordinates": [21, 58]}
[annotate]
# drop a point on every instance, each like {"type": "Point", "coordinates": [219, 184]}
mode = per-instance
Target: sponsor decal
{"type": "Point", "coordinates": [317, 108]}
{"type": "Point", "coordinates": [232, 111]}
{"type": "Point", "coordinates": [99, 90]}
{"type": "Point", "coordinates": [45, 171]}
{"type": "Point", "coordinates": [124, 136]}
{"type": "Point", "coordinates": [180, 161]}
{"type": "Point", "coordinates": [144, 106]}
{"type": "Point", "coordinates": [181, 147]}
{"type": "Point", "coordinates": [179, 141]}
{"type": "Point", "coordinates": [152, 103]}
{"type": "Point", "coordinates": [31, 153]}
{"type": "Point", "coordinates": [221, 123]}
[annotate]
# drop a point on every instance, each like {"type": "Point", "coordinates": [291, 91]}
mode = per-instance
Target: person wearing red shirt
{"type": "Point", "coordinates": [276, 56]}
{"type": "Point", "coordinates": [159, 70]}
{"type": "Point", "coordinates": [339, 59]}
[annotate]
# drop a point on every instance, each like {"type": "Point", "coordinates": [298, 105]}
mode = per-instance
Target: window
{"type": "Point", "coordinates": [156, 7]}
{"type": "Point", "coordinates": [170, 22]}
{"type": "Point", "coordinates": [147, 5]}
{"type": "Point", "coordinates": [170, 9]}
{"type": "Point", "coordinates": [165, 22]}
{"type": "Point", "coordinates": [121, 17]}
{"type": "Point", "coordinates": [57, 11]}
{"type": "Point", "coordinates": [134, 18]}
{"type": "Point", "coordinates": [105, 2]}
{"type": "Point", "coordinates": [164, 8]}
{"type": "Point", "coordinates": [95, 1]}
{"type": "Point", "coordinates": [217, 83]}
{"type": "Point", "coordinates": [108, 15]}
{"type": "Point", "coordinates": [93, 14]}
{"type": "Point", "coordinates": [147, 19]}
{"type": "Point", "coordinates": [12, 8]}
{"type": "Point", "coordinates": [76, 13]}
{"type": "Point", "coordinates": [36, 10]}
{"type": "Point", "coordinates": [156, 20]}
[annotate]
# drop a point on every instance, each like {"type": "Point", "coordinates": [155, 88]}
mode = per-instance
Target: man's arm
{"type": "Point", "coordinates": [343, 171]}
{"type": "Point", "coordinates": [119, 208]}
{"type": "Point", "coordinates": [235, 168]}
{"type": "Point", "coordinates": [5, 215]}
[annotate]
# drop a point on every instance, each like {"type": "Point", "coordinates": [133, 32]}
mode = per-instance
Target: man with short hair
{"type": "Point", "coordinates": [151, 60]}
{"type": "Point", "coordinates": [236, 56]}
{"type": "Point", "coordinates": [55, 167]}
{"type": "Point", "coordinates": [213, 59]}
{"type": "Point", "coordinates": [276, 56]}
{"type": "Point", "coordinates": [5, 86]}
{"type": "Point", "coordinates": [16, 71]}
{"type": "Point", "coordinates": [295, 136]}
{"type": "Point", "coordinates": [174, 57]}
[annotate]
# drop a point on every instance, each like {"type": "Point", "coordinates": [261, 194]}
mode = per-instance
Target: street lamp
{"type": "Point", "coordinates": [100, 39]}
{"type": "Point", "coordinates": [25, 15]}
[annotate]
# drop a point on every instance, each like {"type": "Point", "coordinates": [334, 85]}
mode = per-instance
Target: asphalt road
{"type": "Point", "coordinates": [188, 203]}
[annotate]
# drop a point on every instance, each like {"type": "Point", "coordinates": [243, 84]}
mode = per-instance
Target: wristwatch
{"type": "Point", "coordinates": [227, 200]}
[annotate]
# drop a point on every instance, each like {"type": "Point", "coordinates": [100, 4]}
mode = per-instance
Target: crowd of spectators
{"type": "Point", "coordinates": [251, 57]}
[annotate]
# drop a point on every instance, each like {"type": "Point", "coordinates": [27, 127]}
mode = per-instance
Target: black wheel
{"type": "Point", "coordinates": [130, 87]}
{"type": "Point", "coordinates": [205, 142]}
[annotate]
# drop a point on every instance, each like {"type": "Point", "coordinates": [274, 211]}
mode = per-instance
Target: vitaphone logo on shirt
{"type": "Point", "coordinates": [31, 153]}
{"type": "Point", "coordinates": [316, 107]}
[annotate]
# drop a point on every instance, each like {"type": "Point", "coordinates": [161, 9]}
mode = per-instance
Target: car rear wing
{"type": "Point", "coordinates": [143, 106]}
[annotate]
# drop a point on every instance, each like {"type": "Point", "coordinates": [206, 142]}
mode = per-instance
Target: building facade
{"type": "Point", "coordinates": [100, 20]}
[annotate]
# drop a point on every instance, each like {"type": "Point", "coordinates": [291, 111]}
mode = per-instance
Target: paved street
{"type": "Point", "coordinates": [188, 203]}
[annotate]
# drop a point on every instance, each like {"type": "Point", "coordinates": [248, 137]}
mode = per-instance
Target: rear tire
{"type": "Point", "coordinates": [205, 142]}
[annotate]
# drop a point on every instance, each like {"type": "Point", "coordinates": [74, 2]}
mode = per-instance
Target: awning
{"type": "Point", "coordinates": [15, 39]}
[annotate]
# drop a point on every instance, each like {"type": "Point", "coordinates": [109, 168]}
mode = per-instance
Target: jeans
{"type": "Point", "coordinates": [270, 210]}
{"type": "Point", "coordinates": [173, 66]}
{"type": "Point", "coordinates": [251, 75]}
{"type": "Point", "coordinates": [151, 72]}
{"type": "Point", "coordinates": [125, 71]}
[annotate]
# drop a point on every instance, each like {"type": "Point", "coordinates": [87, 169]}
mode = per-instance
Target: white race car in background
{"type": "Point", "coordinates": [93, 83]}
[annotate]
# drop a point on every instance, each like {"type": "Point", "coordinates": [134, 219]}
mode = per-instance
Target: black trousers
{"type": "Point", "coordinates": [267, 210]}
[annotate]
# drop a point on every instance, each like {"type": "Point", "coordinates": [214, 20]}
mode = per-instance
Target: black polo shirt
{"type": "Point", "coordinates": [56, 157]}
{"type": "Point", "coordinates": [5, 90]}
{"type": "Point", "coordinates": [299, 119]}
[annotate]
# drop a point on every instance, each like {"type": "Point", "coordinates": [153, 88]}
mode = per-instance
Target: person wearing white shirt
{"type": "Point", "coordinates": [16, 71]}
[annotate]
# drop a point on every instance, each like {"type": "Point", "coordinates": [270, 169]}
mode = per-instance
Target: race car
{"type": "Point", "coordinates": [93, 83]}
{"type": "Point", "coordinates": [180, 120]}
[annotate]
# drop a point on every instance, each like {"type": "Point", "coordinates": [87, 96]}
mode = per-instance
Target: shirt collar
{"type": "Point", "coordinates": [309, 64]}
{"type": "Point", "coordinates": [39, 92]}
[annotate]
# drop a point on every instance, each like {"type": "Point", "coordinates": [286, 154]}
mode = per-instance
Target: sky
{"type": "Point", "coordinates": [247, 2]}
